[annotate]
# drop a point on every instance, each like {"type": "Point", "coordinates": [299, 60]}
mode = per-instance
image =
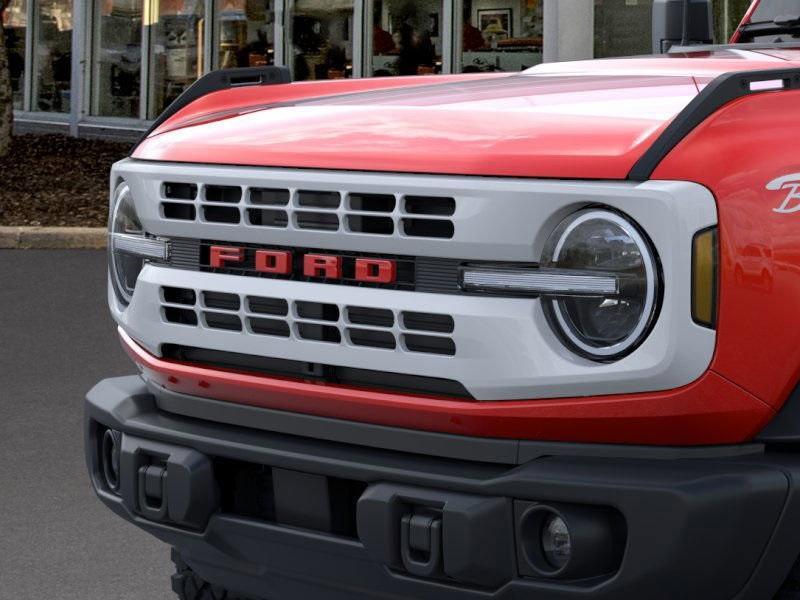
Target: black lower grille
{"type": "Point", "coordinates": [318, 373]}
{"type": "Point", "coordinates": [263, 493]}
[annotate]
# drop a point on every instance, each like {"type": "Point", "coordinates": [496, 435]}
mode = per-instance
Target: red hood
{"type": "Point", "coordinates": [590, 119]}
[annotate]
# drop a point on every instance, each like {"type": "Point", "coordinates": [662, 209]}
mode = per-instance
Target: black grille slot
{"type": "Point", "coordinates": [180, 316]}
{"type": "Point", "coordinates": [222, 321]}
{"type": "Point", "coordinates": [317, 311]}
{"type": "Point", "coordinates": [245, 489]}
{"type": "Point", "coordinates": [252, 491]}
{"type": "Point", "coordinates": [425, 205]}
{"type": "Point", "coordinates": [372, 225]}
{"type": "Point", "coordinates": [372, 339]}
{"type": "Point", "coordinates": [268, 306]}
{"type": "Point", "coordinates": [180, 191]}
{"type": "Point", "coordinates": [181, 212]}
{"type": "Point", "coordinates": [372, 202]}
{"type": "Point", "coordinates": [268, 218]}
{"type": "Point", "coordinates": [427, 344]}
{"type": "Point", "coordinates": [374, 317]}
{"type": "Point", "coordinates": [273, 327]}
{"type": "Point", "coordinates": [269, 196]}
{"type": "Point", "coordinates": [223, 193]}
{"type": "Point", "coordinates": [319, 333]}
{"type": "Point", "coordinates": [428, 322]}
{"type": "Point", "coordinates": [319, 199]}
{"type": "Point", "coordinates": [281, 367]}
{"type": "Point", "coordinates": [430, 228]}
{"type": "Point", "coordinates": [221, 214]}
{"type": "Point", "coordinates": [221, 301]}
{"type": "Point", "coordinates": [317, 221]}
{"type": "Point", "coordinates": [175, 295]}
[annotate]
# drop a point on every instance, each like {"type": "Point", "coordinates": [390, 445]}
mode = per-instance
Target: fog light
{"type": "Point", "coordinates": [568, 541]}
{"type": "Point", "coordinates": [110, 449]}
{"type": "Point", "coordinates": [556, 542]}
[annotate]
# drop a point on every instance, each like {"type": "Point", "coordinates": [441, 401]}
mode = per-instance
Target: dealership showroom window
{"type": "Point", "coordinates": [139, 55]}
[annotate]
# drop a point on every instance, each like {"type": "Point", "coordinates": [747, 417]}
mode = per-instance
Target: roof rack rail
{"type": "Point", "coordinates": [715, 95]}
{"type": "Point", "coordinates": [216, 81]}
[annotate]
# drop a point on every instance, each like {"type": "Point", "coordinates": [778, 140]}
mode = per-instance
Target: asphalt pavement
{"type": "Point", "coordinates": [57, 542]}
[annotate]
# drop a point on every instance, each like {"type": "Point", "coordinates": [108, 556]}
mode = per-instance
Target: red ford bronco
{"type": "Point", "coordinates": [529, 335]}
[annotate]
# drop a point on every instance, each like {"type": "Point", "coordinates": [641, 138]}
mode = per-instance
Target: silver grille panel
{"type": "Point", "coordinates": [406, 331]}
{"type": "Point", "coordinates": [504, 348]}
{"type": "Point", "coordinates": [311, 210]}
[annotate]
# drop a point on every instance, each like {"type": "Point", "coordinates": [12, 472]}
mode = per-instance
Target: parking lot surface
{"type": "Point", "coordinates": [57, 542]}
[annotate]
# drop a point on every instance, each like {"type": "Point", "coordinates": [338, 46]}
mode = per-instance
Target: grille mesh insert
{"type": "Point", "coordinates": [303, 320]}
{"type": "Point", "coordinates": [350, 211]}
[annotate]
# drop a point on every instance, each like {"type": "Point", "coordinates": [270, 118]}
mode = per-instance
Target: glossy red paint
{"type": "Point", "coordinates": [219, 256]}
{"type": "Point", "coordinates": [582, 120]}
{"type": "Point", "coordinates": [374, 270]}
{"type": "Point", "coordinates": [710, 411]}
{"type": "Point", "coordinates": [275, 262]}
{"type": "Point", "coordinates": [322, 265]}
{"type": "Point", "coordinates": [752, 142]}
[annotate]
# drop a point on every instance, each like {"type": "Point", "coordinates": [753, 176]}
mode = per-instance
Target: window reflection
{"type": "Point", "coordinates": [406, 37]}
{"type": "Point", "coordinates": [501, 36]}
{"type": "Point", "coordinates": [321, 39]}
{"type": "Point", "coordinates": [53, 56]}
{"type": "Point", "coordinates": [245, 33]}
{"type": "Point", "coordinates": [622, 28]}
{"type": "Point", "coordinates": [176, 56]}
{"type": "Point", "coordinates": [15, 22]}
{"type": "Point", "coordinates": [117, 67]}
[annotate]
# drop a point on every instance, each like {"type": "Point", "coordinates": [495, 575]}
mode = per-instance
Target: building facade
{"type": "Point", "coordinates": [108, 67]}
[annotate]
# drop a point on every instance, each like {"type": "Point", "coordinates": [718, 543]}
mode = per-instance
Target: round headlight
{"type": "Point", "coordinates": [129, 245]}
{"type": "Point", "coordinates": [603, 327]}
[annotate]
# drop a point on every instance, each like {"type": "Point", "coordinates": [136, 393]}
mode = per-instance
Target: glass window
{"type": "Point", "coordinates": [244, 33]}
{"type": "Point", "coordinates": [52, 56]}
{"type": "Point", "coordinates": [15, 23]}
{"type": "Point", "coordinates": [623, 27]}
{"type": "Point", "coordinates": [321, 39]}
{"type": "Point", "coordinates": [501, 36]}
{"type": "Point", "coordinates": [727, 16]}
{"type": "Point", "coordinates": [176, 53]}
{"type": "Point", "coordinates": [117, 68]}
{"type": "Point", "coordinates": [406, 37]}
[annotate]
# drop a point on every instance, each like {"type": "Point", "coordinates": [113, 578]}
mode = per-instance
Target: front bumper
{"type": "Point", "coordinates": [286, 516]}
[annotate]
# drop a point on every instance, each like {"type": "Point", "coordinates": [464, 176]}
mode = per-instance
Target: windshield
{"type": "Point", "coordinates": [768, 10]}
{"type": "Point", "coordinates": [773, 21]}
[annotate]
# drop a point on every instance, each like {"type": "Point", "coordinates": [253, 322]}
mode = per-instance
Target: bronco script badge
{"type": "Point", "coordinates": [791, 184]}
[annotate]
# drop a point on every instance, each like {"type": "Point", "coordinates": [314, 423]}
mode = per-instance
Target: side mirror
{"type": "Point", "coordinates": [669, 27]}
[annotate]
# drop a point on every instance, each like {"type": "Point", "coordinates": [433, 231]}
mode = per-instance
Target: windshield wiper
{"type": "Point", "coordinates": [780, 24]}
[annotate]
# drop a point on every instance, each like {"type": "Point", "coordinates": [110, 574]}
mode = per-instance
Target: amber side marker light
{"type": "Point", "coordinates": [704, 278]}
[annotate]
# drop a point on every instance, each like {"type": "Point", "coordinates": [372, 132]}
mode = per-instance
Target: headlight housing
{"type": "Point", "coordinates": [130, 247]}
{"type": "Point", "coordinates": [603, 326]}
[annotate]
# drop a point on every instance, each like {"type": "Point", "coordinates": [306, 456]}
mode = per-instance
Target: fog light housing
{"type": "Point", "coordinates": [568, 541]}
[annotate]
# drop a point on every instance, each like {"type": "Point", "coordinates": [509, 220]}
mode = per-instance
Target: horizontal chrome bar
{"type": "Point", "coordinates": [540, 281]}
{"type": "Point", "coordinates": [141, 246]}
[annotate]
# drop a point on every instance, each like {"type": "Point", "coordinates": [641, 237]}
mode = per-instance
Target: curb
{"type": "Point", "coordinates": [53, 238]}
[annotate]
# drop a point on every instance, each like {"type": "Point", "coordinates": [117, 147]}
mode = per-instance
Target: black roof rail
{"type": "Point", "coordinates": [216, 81]}
{"type": "Point", "coordinates": [715, 95]}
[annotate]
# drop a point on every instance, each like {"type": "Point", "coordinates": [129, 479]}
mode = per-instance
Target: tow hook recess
{"type": "Point", "coordinates": [421, 544]}
{"type": "Point", "coordinates": [438, 534]}
{"type": "Point", "coordinates": [152, 492]}
{"type": "Point", "coordinates": [166, 483]}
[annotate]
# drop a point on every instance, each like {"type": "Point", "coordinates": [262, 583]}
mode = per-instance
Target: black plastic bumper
{"type": "Point", "coordinates": [284, 516]}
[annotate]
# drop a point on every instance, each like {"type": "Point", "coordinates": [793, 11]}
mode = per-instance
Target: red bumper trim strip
{"type": "Point", "coordinates": [710, 411]}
